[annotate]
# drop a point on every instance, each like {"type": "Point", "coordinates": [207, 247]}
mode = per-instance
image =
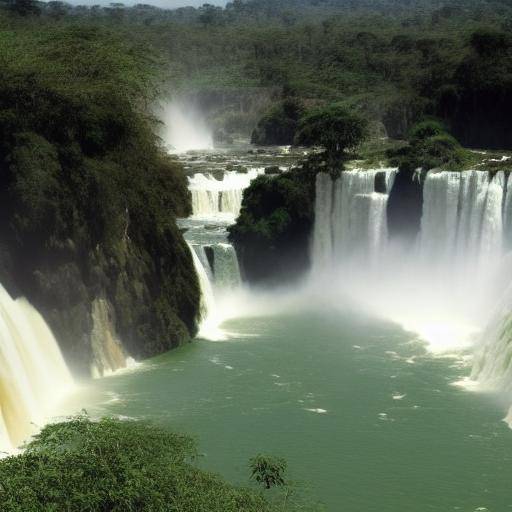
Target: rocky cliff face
{"type": "Point", "coordinates": [83, 221]}
{"type": "Point", "coordinates": [105, 305]}
{"type": "Point", "coordinates": [88, 199]}
{"type": "Point", "coordinates": [405, 206]}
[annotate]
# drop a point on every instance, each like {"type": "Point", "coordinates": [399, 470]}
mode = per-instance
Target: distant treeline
{"type": "Point", "coordinates": [395, 61]}
{"type": "Point", "coordinates": [280, 11]}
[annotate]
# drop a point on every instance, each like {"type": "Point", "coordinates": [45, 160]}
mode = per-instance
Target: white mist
{"type": "Point", "coordinates": [184, 127]}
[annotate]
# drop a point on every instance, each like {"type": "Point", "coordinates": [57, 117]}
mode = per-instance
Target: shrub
{"type": "Point", "coordinates": [116, 466]}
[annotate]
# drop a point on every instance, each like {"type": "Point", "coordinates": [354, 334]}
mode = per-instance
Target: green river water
{"type": "Point", "coordinates": [365, 418]}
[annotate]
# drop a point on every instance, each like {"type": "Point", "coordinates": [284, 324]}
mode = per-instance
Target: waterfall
{"type": "Point", "coordinates": [322, 232]}
{"type": "Point", "coordinates": [463, 222]}
{"type": "Point", "coordinates": [350, 218]}
{"type": "Point", "coordinates": [226, 272]}
{"type": "Point", "coordinates": [33, 374]}
{"type": "Point", "coordinates": [207, 313]}
{"type": "Point", "coordinates": [492, 366]}
{"type": "Point", "coordinates": [108, 352]}
{"type": "Point", "coordinates": [444, 286]}
{"type": "Point", "coordinates": [212, 197]}
{"type": "Point", "coordinates": [507, 214]}
{"type": "Point", "coordinates": [218, 273]}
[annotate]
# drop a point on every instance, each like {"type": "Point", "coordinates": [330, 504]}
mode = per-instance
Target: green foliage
{"type": "Point", "coordinates": [426, 129]}
{"type": "Point", "coordinates": [272, 232]}
{"type": "Point", "coordinates": [392, 61]}
{"type": "Point", "coordinates": [117, 466]}
{"type": "Point", "coordinates": [279, 126]}
{"type": "Point", "coordinates": [430, 147]}
{"type": "Point", "coordinates": [268, 471]}
{"type": "Point", "coordinates": [334, 128]}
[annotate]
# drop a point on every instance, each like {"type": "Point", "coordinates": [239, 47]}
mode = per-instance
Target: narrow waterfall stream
{"type": "Point", "coordinates": [213, 198]}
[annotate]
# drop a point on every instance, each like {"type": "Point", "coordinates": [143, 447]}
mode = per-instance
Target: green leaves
{"type": "Point", "coordinates": [115, 465]}
{"type": "Point", "coordinates": [334, 128]}
{"type": "Point", "coordinates": [268, 471]}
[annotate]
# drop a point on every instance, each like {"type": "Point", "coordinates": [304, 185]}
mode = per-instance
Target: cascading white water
{"type": "Point", "coordinates": [208, 310]}
{"type": "Point", "coordinates": [492, 367]}
{"type": "Point", "coordinates": [462, 224]}
{"type": "Point", "coordinates": [223, 198]}
{"type": "Point", "coordinates": [350, 218]}
{"type": "Point", "coordinates": [226, 272]}
{"type": "Point", "coordinates": [443, 288]}
{"type": "Point", "coordinates": [33, 374]}
{"type": "Point", "coordinates": [214, 281]}
{"type": "Point", "coordinates": [507, 214]}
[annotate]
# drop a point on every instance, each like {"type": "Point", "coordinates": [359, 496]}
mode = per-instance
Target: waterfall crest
{"type": "Point", "coordinates": [222, 198]}
{"type": "Point", "coordinates": [33, 374]}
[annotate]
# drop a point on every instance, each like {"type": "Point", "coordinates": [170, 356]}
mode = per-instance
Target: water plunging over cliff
{"type": "Point", "coordinates": [33, 374]}
{"type": "Point", "coordinates": [218, 273]}
{"type": "Point", "coordinates": [107, 349]}
{"type": "Point", "coordinates": [350, 217]}
{"type": "Point", "coordinates": [212, 197]}
{"type": "Point", "coordinates": [443, 287]}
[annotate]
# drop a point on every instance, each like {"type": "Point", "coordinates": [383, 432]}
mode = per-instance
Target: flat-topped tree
{"type": "Point", "coordinates": [334, 128]}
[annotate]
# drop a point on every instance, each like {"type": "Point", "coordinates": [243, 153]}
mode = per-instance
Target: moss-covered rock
{"type": "Point", "coordinates": [272, 233]}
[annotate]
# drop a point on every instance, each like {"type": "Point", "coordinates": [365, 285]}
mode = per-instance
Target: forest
{"type": "Point", "coordinates": [394, 62]}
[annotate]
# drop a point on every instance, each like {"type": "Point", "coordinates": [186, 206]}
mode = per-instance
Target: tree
{"type": "Point", "coordinates": [334, 128]}
{"type": "Point", "coordinates": [56, 9]}
{"type": "Point", "coordinates": [268, 471]}
{"type": "Point", "coordinates": [279, 125]}
{"type": "Point", "coordinates": [25, 7]}
{"type": "Point", "coordinates": [208, 14]}
{"type": "Point", "coordinates": [487, 43]}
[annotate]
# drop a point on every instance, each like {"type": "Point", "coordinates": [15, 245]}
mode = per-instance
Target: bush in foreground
{"type": "Point", "coordinates": [117, 466]}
